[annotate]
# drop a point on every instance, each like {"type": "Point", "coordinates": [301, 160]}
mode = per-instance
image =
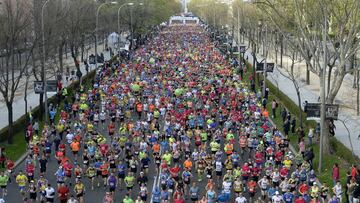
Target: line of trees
{"type": "Point", "coordinates": [297, 29]}
{"type": "Point", "coordinates": [69, 27]}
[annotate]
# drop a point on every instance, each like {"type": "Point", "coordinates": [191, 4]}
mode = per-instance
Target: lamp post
{"type": "Point", "coordinates": [118, 18]}
{"type": "Point", "coordinates": [96, 28]}
{"type": "Point", "coordinates": [44, 59]}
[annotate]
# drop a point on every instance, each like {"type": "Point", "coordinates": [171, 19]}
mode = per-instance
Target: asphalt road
{"type": "Point", "coordinates": [96, 196]}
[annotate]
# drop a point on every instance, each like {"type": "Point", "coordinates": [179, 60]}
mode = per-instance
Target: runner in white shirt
{"type": "Point", "coordinates": [72, 200]}
{"type": "Point", "coordinates": [277, 198]}
{"type": "Point", "coordinates": [240, 199]}
{"type": "Point", "coordinates": [337, 190]}
{"type": "Point", "coordinates": [69, 137]}
{"type": "Point", "coordinates": [218, 170]}
{"type": "Point", "coordinates": [49, 193]}
{"type": "Point", "coordinates": [227, 186]}
{"type": "Point", "coordinates": [263, 184]}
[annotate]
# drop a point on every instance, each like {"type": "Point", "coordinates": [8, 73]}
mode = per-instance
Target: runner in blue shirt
{"type": "Point", "coordinates": [288, 197]}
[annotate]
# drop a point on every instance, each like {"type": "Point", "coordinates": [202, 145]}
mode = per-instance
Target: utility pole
{"type": "Point", "coordinates": [322, 94]}
{"type": "Point", "coordinates": [265, 64]}
{"type": "Point", "coordinates": [238, 35]}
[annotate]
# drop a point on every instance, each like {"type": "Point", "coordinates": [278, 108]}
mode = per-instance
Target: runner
{"type": "Point", "coordinates": [4, 179]}
{"type": "Point", "coordinates": [79, 189]}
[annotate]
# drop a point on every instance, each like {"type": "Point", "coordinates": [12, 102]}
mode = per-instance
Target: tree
{"type": "Point", "coordinates": [294, 78]}
{"type": "Point", "coordinates": [77, 22]}
{"type": "Point", "coordinates": [306, 20]}
{"type": "Point", "coordinates": [15, 26]}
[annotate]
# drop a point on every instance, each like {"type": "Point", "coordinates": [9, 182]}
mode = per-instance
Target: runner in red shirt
{"type": "Point", "coordinates": [63, 193]}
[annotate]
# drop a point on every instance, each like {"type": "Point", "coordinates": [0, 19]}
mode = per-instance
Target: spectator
{"type": "Point", "coordinates": [311, 136]}
{"type": "Point", "coordinates": [335, 173]}
{"type": "Point", "coordinates": [302, 147]}
{"type": "Point", "coordinates": [267, 90]}
{"type": "Point", "coordinates": [317, 131]}
{"type": "Point", "coordinates": [356, 193]}
{"type": "Point", "coordinates": [283, 114]}
{"type": "Point", "coordinates": [286, 127]}
{"type": "Point", "coordinates": [274, 106]}
{"type": "Point", "coordinates": [293, 125]}
{"type": "Point", "coordinates": [350, 190]}
{"type": "Point", "coordinates": [309, 156]}
{"type": "Point", "coordinates": [305, 106]}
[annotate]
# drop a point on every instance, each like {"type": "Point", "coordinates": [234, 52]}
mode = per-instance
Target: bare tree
{"type": "Point", "coordinates": [14, 21]}
{"type": "Point", "coordinates": [294, 78]}
{"type": "Point", "coordinates": [304, 19]}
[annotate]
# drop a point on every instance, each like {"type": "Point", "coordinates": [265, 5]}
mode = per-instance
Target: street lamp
{"type": "Point", "coordinates": [131, 25]}
{"type": "Point", "coordinates": [118, 16]}
{"type": "Point", "coordinates": [44, 58]}
{"type": "Point", "coordinates": [217, 3]}
{"type": "Point", "coordinates": [96, 28]}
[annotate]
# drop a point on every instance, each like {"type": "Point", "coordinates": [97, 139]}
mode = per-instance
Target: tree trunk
{"type": "Point", "coordinates": [25, 92]}
{"type": "Point", "coordinates": [10, 122]}
{"type": "Point", "coordinates": [82, 48]}
{"type": "Point", "coordinates": [307, 74]}
{"type": "Point", "coordinates": [329, 79]}
{"type": "Point", "coordinates": [41, 106]}
{"type": "Point", "coordinates": [299, 105]}
{"type": "Point", "coordinates": [357, 93]}
{"type": "Point", "coordinates": [66, 50]}
{"type": "Point", "coordinates": [326, 140]}
{"type": "Point", "coordinates": [281, 50]}
{"type": "Point", "coordinates": [60, 56]}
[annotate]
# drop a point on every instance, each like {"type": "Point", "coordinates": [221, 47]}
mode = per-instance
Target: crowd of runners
{"type": "Point", "coordinates": [176, 123]}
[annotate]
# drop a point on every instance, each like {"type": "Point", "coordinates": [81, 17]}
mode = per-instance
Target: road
{"type": "Point", "coordinates": [181, 41]}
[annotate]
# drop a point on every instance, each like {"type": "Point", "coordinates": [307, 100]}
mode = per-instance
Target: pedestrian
{"type": "Point", "coordinates": [302, 147]}
{"type": "Point", "coordinates": [267, 90]}
{"type": "Point", "coordinates": [356, 193]}
{"type": "Point", "coordinates": [286, 127]}
{"type": "Point", "coordinates": [311, 136]}
{"type": "Point", "coordinates": [293, 125]}
{"type": "Point", "coordinates": [274, 106]}
{"type": "Point", "coordinates": [350, 190]}
{"type": "Point", "coordinates": [317, 131]}
{"type": "Point", "coordinates": [309, 156]}
{"type": "Point", "coordinates": [283, 114]}
{"type": "Point", "coordinates": [335, 173]}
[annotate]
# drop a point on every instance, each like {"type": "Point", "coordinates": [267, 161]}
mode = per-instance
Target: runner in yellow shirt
{"type": "Point", "coordinates": [21, 180]}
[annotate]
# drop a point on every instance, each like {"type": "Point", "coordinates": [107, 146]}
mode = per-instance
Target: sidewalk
{"type": "Point", "coordinates": [346, 98]}
{"type": "Point", "coordinates": [32, 98]}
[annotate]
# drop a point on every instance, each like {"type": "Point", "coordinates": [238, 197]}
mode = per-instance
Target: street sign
{"type": "Point", "coordinates": [269, 67]}
{"type": "Point", "coordinates": [51, 86]}
{"type": "Point", "coordinates": [313, 111]}
{"type": "Point", "coordinates": [242, 49]}
{"type": "Point", "coordinates": [92, 59]}
{"type": "Point", "coordinates": [39, 86]}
